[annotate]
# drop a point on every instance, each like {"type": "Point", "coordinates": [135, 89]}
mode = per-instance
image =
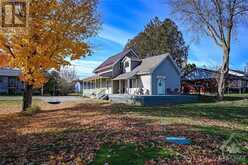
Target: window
{"type": "Point", "coordinates": [126, 64]}
{"type": "Point", "coordinates": [14, 14]}
{"type": "Point", "coordinates": [12, 82]}
{"type": "Point", "coordinates": [160, 83]}
{"type": "Point", "coordinates": [1, 79]}
{"type": "Point", "coordinates": [131, 84]}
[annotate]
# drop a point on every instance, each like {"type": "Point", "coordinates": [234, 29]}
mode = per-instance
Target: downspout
{"type": "Point", "coordinates": [151, 75]}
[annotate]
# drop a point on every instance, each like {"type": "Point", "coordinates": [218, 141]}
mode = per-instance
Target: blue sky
{"type": "Point", "coordinates": [123, 19]}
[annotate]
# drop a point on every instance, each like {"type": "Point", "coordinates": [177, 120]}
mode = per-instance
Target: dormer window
{"type": "Point", "coordinates": [126, 64]}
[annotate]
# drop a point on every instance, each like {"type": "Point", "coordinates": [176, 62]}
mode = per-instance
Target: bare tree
{"type": "Point", "coordinates": [68, 73]}
{"type": "Point", "coordinates": [217, 19]}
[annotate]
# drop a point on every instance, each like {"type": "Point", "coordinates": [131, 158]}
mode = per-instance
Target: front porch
{"type": "Point", "coordinates": [132, 86]}
{"type": "Point", "coordinates": [97, 85]}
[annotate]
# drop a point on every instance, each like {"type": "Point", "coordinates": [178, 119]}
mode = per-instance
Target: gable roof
{"type": "Point", "coordinates": [10, 72]}
{"type": "Point", "coordinates": [147, 66]}
{"type": "Point", "coordinates": [113, 59]}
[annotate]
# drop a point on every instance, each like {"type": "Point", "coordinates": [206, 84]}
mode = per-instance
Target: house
{"type": "Point", "coordinates": [204, 81]}
{"type": "Point", "coordinates": [9, 81]}
{"type": "Point", "coordinates": [126, 73]}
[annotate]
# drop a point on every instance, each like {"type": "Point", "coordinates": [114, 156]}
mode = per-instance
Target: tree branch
{"type": "Point", "coordinates": [210, 27]}
{"type": "Point", "coordinates": [10, 50]}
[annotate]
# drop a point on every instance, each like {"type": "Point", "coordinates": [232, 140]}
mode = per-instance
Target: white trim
{"type": "Point", "coordinates": [151, 82]}
{"type": "Point", "coordinates": [111, 66]}
{"type": "Point", "coordinates": [105, 67]}
{"type": "Point", "coordinates": [125, 56]}
{"type": "Point", "coordinates": [134, 53]}
{"type": "Point", "coordinates": [111, 70]}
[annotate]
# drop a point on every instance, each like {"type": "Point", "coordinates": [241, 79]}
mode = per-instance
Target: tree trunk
{"type": "Point", "coordinates": [223, 74]}
{"type": "Point", "coordinates": [27, 97]}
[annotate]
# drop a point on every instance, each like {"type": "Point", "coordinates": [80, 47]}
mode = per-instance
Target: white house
{"type": "Point", "coordinates": [126, 73]}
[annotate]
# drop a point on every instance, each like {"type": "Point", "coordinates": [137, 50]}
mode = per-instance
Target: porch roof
{"type": "Point", "coordinates": [125, 76]}
{"type": "Point", "coordinates": [94, 77]}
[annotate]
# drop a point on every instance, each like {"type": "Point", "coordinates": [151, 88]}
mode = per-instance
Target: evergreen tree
{"type": "Point", "coordinates": [160, 37]}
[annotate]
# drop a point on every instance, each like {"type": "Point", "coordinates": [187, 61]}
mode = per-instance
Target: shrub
{"type": "Point", "coordinates": [32, 110]}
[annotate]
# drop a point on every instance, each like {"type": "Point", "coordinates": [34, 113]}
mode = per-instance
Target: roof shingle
{"type": "Point", "coordinates": [146, 67]}
{"type": "Point", "coordinates": [111, 60]}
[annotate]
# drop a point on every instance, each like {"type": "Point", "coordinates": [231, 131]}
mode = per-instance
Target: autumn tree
{"type": "Point", "coordinates": [218, 19]}
{"type": "Point", "coordinates": [57, 29]}
{"type": "Point", "coordinates": [160, 37]}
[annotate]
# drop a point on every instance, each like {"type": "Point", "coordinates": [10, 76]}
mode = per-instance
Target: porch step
{"type": "Point", "coordinates": [103, 97]}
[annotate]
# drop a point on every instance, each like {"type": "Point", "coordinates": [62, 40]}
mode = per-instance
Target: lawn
{"type": "Point", "coordinates": [87, 131]}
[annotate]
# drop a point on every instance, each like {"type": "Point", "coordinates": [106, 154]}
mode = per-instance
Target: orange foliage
{"type": "Point", "coordinates": [4, 60]}
{"type": "Point", "coordinates": [57, 30]}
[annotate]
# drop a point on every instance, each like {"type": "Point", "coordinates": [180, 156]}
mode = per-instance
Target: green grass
{"type": "Point", "coordinates": [231, 112]}
{"type": "Point", "coordinates": [236, 95]}
{"type": "Point", "coordinates": [10, 102]}
{"type": "Point", "coordinates": [13, 100]}
{"type": "Point", "coordinates": [130, 154]}
{"type": "Point", "coordinates": [222, 118]}
{"type": "Point", "coordinates": [14, 103]}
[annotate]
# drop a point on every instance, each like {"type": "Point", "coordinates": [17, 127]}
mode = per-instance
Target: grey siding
{"type": "Point", "coordinates": [3, 84]}
{"type": "Point", "coordinates": [173, 78]}
{"type": "Point", "coordinates": [134, 64]}
{"type": "Point", "coordinates": [117, 69]}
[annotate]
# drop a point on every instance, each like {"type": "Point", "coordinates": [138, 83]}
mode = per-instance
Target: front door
{"type": "Point", "coordinates": [123, 86]}
{"type": "Point", "coordinates": [161, 86]}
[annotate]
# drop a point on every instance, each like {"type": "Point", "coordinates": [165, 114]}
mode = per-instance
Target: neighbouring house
{"type": "Point", "coordinates": [77, 86]}
{"type": "Point", "coordinates": [126, 73]}
{"type": "Point", "coordinates": [10, 83]}
{"type": "Point", "coordinates": [204, 81]}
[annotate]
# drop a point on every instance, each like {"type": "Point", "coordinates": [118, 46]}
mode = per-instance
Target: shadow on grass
{"type": "Point", "coordinates": [224, 111]}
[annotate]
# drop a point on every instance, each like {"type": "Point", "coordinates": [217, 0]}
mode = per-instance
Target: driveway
{"type": "Point", "coordinates": [59, 98]}
{"type": "Point", "coordinates": [43, 98]}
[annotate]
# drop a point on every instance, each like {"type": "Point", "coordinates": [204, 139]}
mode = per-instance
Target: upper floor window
{"type": "Point", "coordinates": [126, 64]}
